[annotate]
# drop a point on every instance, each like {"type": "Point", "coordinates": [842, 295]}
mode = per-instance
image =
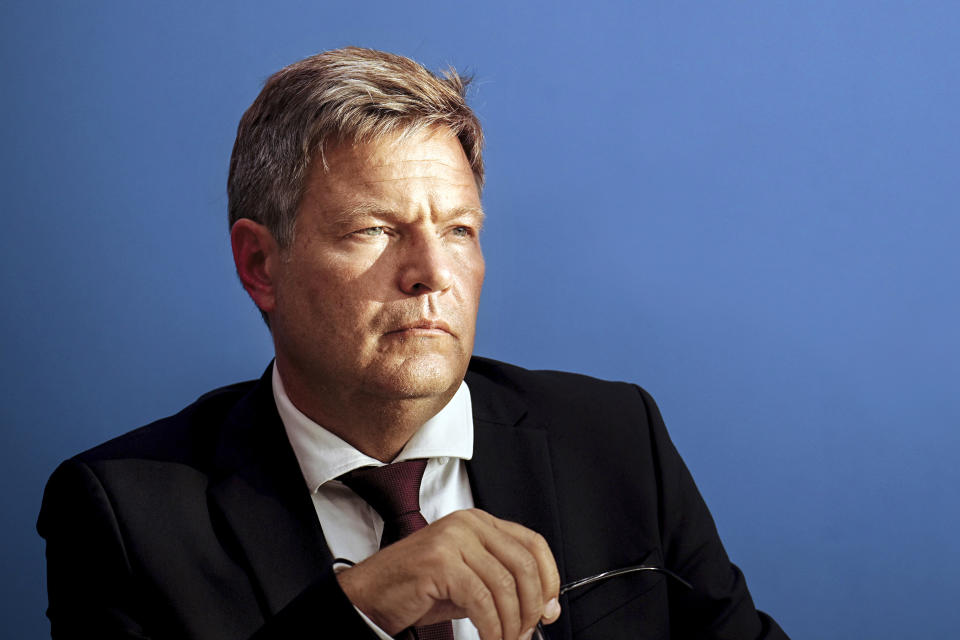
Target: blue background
{"type": "Point", "coordinates": [747, 207]}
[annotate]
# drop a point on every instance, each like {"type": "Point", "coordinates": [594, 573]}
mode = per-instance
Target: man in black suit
{"type": "Point", "coordinates": [355, 218]}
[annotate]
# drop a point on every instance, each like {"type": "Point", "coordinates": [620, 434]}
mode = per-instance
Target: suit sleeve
{"type": "Point", "coordinates": [88, 572]}
{"type": "Point", "coordinates": [720, 606]}
{"type": "Point", "coordinates": [94, 592]}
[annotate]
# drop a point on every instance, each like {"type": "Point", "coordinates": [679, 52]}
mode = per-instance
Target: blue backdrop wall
{"type": "Point", "coordinates": [747, 207]}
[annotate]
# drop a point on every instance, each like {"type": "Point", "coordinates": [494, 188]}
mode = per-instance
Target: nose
{"type": "Point", "coordinates": [425, 265]}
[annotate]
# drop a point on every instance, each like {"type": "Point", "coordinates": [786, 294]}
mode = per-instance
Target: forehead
{"type": "Point", "coordinates": [396, 170]}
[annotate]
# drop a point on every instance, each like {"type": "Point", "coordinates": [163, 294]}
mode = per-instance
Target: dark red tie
{"type": "Point", "coordinates": [393, 490]}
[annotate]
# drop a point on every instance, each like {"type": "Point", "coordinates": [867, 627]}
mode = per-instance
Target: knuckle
{"type": "Point", "coordinates": [436, 554]}
{"type": "Point", "coordinates": [455, 525]}
{"type": "Point", "coordinates": [529, 566]}
{"type": "Point", "coordinates": [453, 516]}
{"type": "Point", "coordinates": [538, 540]}
{"type": "Point", "coordinates": [506, 581]}
{"type": "Point", "coordinates": [443, 524]}
{"type": "Point", "coordinates": [481, 596]}
{"type": "Point", "coordinates": [424, 585]}
{"type": "Point", "coordinates": [476, 514]}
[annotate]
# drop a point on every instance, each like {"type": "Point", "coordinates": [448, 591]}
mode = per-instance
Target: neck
{"type": "Point", "coordinates": [375, 425]}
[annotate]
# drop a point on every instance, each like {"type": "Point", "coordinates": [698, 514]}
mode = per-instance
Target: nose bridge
{"type": "Point", "coordinates": [426, 263]}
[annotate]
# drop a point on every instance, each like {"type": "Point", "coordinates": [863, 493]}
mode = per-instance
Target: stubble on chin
{"type": "Point", "coordinates": [419, 376]}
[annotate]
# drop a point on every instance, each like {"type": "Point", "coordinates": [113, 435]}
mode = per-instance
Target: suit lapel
{"type": "Point", "coordinates": [510, 474]}
{"type": "Point", "coordinates": [511, 477]}
{"type": "Point", "coordinates": [265, 502]}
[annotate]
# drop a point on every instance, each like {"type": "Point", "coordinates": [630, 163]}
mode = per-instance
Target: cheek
{"type": "Point", "coordinates": [347, 311]}
{"type": "Point", "coordinates": [325, 285]}
{"type": "Point", "coordinates": [476, 269]}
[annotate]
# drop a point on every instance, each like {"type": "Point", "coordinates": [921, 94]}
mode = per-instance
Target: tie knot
{"type": "Point", "coordinates": [392, 490]}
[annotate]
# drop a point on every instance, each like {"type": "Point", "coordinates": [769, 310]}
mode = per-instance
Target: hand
{"type": "Point", "coordinates": [470, 564]}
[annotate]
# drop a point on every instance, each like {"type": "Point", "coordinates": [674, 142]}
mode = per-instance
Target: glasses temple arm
{"type": "Point", "coordinates": [576, 584]}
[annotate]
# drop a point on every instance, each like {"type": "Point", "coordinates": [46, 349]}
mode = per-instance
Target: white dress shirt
{"type": "Point", "coordinates": [352, 527]}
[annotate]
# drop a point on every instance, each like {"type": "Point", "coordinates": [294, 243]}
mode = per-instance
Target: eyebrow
{"type": "Point", "coordinates": [349, 214]}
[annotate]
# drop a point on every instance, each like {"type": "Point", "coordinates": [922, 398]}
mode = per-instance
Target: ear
{"type": "Point", "coordinates": [256, 255]}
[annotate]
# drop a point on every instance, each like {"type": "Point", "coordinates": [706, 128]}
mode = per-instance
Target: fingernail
{"type": "Point", "coordinates": [527, 635]}
{"type": "Point", "coordinates": [552, 610]}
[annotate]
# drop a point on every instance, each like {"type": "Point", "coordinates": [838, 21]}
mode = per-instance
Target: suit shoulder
{"type": "Point", "coordinates": [556, 389]}
{"type": "Point", "coordinates": [178, 437]}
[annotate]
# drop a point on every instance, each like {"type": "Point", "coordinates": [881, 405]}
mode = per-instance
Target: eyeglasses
{"type": "Point", "coordinates": [541, 634]}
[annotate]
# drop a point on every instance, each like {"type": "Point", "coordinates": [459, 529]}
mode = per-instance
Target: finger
{"type": "Point", "coordinates": [537, 545]}
{"type": "Point", "coordinates": [522, 566]}
{"type": "Point", "coordinates": [503, 586]}
{"type": "Point", "coordinates": [472, 595]}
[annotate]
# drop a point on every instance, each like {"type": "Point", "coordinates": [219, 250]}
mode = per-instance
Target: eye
{"type": "Point", "coordinates": [462, 232]}
{"type": "Point", "coordinates": [371, 231]}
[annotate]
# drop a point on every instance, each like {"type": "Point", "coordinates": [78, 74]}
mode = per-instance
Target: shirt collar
{"type": "Point", "coordinates": [324, 456]}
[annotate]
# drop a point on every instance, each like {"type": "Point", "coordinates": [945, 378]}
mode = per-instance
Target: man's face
{"type": "Point", "coordinates": [378, 293]}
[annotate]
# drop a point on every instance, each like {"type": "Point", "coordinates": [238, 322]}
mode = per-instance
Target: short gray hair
{"type": "Point", "coordinates": [349, 95]}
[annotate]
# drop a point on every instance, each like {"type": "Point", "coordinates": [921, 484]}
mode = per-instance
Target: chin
{"type": "Point", "coordinates": [422, 377]}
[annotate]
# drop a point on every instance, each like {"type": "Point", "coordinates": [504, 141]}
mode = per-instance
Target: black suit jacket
{"type": "Point", "coordinates": [200, 525]}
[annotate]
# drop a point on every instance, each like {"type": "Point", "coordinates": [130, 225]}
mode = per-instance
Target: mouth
{"type": "Point", "coordinates": [422, 328]}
